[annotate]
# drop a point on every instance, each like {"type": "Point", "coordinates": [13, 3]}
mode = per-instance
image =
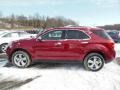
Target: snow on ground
{"type": "Point", "coordinates": [61, 77]}
{"type": "Point", "coordinates": [2, 63]}
{"type": "Point", "coordinates": [117, 49]}
{"type": "Point", "coordinates": [77, 79]}
{"type": "Point", "coordinates": [65, 77]}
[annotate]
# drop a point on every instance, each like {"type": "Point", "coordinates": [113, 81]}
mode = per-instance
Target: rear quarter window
{"type": "Point", "coordinates": [102, 34]}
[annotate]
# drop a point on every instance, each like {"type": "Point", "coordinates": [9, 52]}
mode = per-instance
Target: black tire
{"type": "Point", "coordinates": [24, 55]}
{"type": "Point", "coordinates": [93, 66]}
{"type": "Point", "coordinates": [2, 46]}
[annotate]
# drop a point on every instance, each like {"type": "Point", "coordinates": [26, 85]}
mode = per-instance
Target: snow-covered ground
{"type": "Point", "coordinates": [117, 49]}
{"type": "Point", "coordinates": [60, 77]}
{"type": "Point", "coordinates": [66, 77]}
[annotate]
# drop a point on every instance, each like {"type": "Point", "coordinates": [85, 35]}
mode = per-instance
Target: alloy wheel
{"type": "Point", "coordinates": [94, 62]}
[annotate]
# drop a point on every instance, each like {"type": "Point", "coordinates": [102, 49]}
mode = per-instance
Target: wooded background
{"type": "Point", "coordinates": [43, 22]}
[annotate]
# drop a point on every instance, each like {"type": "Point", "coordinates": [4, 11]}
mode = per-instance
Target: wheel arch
{"type": "Point", "coordinates": [99, 52]}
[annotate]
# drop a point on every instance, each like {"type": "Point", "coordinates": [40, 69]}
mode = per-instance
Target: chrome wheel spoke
{"type": "Point", "coordinates": [20, 56]}
{"type": "Point", "coordinates": [90, 61]}
{"type": "Point", "coordinates": [24, 58]}
{"type": "Point", "coordinates": [94, 62]}
{"type": "Point", "coordinates": [20, 60]}
{"type": "Point", "coordinates": [91, 66]}
{"type": "Point", "coordinates": [19, 63]}
{"type": "Point", "coordinates": [96, 66]}
{"type": "Point", "coordinates": [98, 62]}
{"type": "Point", "coordinates": [22, 63]}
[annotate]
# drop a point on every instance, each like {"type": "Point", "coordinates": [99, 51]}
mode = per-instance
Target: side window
{"type": "Point", "coordinates": [83, 35]}
{"type": "Point", "coordinates": [14, 35]}
{"type": "Point", "coordinates": [7, 35]}
{"type": "Point", "coordinates": [74, 34]}
{"type": "Point", "coordinates": [53, 35]}
{"type": "Point", "coordinates": [23, 34]}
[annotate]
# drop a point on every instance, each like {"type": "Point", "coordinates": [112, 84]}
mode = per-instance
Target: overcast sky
{"type": "Point", "coordinates": [86, 12]}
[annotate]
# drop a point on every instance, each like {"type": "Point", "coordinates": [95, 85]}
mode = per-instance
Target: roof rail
{"type": "Point", "coordinates": [71, 26]}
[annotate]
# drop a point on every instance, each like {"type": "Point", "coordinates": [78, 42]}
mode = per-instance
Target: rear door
{"type": "Point", "coordinates": [75, 44]}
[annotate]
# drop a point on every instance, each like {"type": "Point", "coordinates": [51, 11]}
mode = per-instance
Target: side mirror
{"type": "Point", "coordinates": [31, 36]}
{"type": "Point", "coordinates": [39, 38]}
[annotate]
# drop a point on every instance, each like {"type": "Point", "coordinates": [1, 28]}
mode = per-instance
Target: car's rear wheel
{"type": "Point", "coordinates": [3, 47]}
{"type": "Point", "coordinates": [21, 59]}
{"type": "Point", "coordinates": [94, 62]}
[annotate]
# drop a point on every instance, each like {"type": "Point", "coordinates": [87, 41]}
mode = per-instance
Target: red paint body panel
{"type": "Point", "coordinates": [64, 49]}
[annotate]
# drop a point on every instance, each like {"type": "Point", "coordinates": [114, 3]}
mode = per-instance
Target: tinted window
{"type": "Point", "coordinates": [74, 34]}
{"type": "Point", "coordinates": [101, 33]}
{"type": "Point", "coordinates": [53, 35]}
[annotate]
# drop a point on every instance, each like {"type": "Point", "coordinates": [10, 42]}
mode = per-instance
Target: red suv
{"type": "Point", "coordinates": [92, 46]}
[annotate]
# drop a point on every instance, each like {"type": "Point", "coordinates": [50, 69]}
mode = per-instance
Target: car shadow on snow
{"type": "Point", "coordinates": [8, 64]}
{"type": "Point", "coordinates": [50, 65]}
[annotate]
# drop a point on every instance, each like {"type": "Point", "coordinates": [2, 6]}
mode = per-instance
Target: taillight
{"type": "Point", "coordinates": [119, 35]}
{"type": "Point", "coordinates": [111, 44]}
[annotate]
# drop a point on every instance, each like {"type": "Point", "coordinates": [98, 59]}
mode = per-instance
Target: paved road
{"type": "Point", "coordinates": [3, 55]}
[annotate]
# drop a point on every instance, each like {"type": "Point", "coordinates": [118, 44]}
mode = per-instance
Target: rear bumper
{"type": "Point", "coordinates": [110, 56]}
{"type": "Point", "coordinates": [108, 61]}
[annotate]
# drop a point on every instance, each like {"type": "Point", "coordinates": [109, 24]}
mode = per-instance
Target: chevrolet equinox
{"type": "Point", "coordinates": [91, 46]}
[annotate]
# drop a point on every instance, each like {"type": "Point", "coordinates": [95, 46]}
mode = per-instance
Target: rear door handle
{"type": "Point", "coordinates": [84, 42]}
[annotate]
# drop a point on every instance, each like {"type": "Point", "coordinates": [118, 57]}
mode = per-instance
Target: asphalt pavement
{"type": "Point", "coordinates": [3, 56]}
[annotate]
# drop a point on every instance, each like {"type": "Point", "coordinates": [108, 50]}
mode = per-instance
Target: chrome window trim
{"type": "Point", "coordinates": [65, 39]}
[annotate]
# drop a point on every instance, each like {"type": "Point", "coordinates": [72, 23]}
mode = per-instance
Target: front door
{"type": "Point", "coordinates": [50, 46]}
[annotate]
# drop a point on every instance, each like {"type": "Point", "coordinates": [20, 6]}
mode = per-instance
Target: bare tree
{"type": "Point", "coordinates": [1, 15]}
{"type": "Point", "coordinates": [12, 21]}
{"type": "Point", "coordinates": [37, 21]}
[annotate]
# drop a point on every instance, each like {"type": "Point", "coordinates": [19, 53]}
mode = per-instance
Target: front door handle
{"type": "Point", "coordinates": [58, 44]}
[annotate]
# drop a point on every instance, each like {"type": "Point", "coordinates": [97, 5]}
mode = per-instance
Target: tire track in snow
{"type": "Point", "coordinates": [12, 84]}
{"type": "Point", "coordinates": [3, 62]}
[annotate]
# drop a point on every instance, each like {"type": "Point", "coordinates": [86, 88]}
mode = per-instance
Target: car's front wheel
{"type": "Point", "coordinates": [93, 62]}
{"type": "Point", "coordinates": [21, 59]}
